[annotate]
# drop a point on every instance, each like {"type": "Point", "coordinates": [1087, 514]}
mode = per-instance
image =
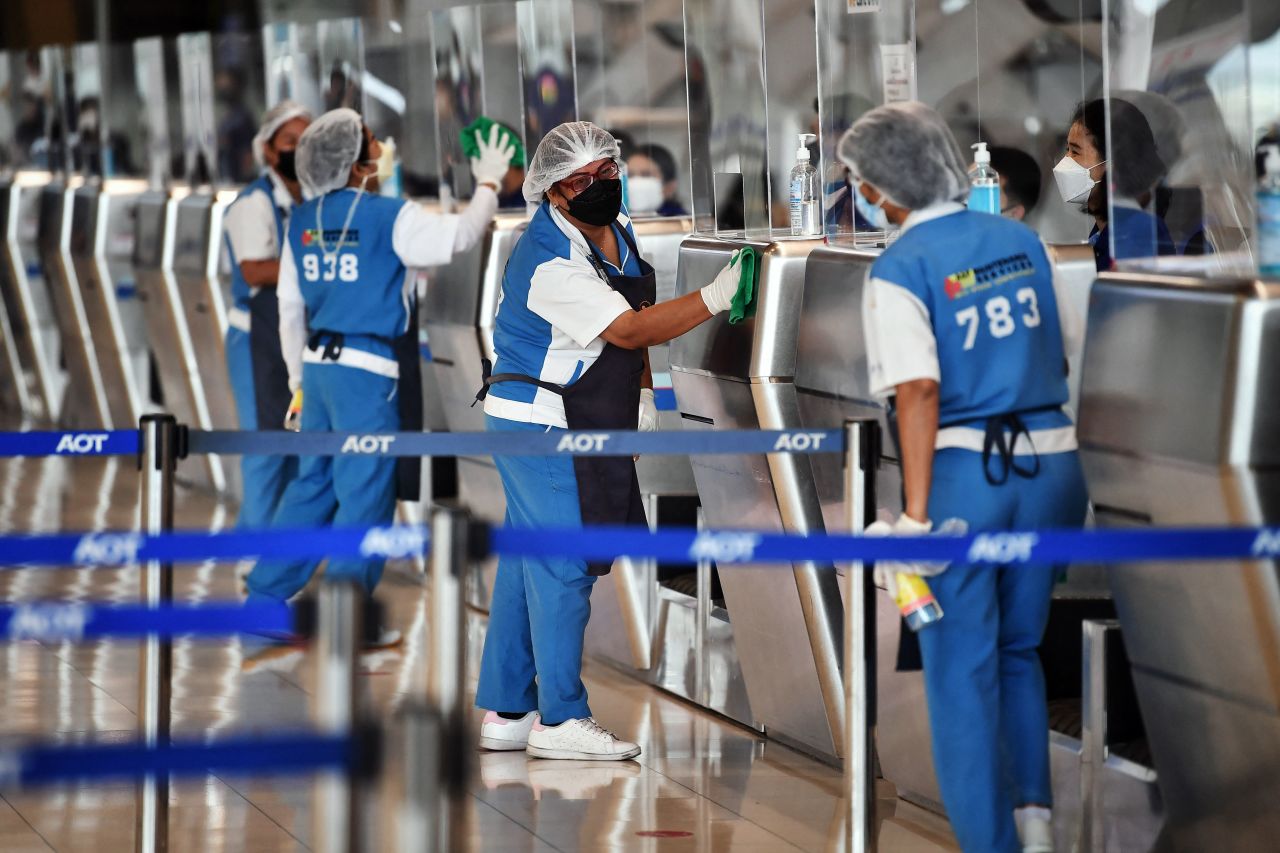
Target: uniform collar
{"type": "Point", "coordinates": [579, 239]}
{"type": "Point", "coordinates": [930, 213]}
{"type": "Point", "coordinates": [279, 192]}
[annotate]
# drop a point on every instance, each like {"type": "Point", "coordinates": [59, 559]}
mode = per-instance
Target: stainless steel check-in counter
{"type": "Point", "coordinates": [180, 373]}
{"type": "Point", "coordinates": [27, 305]}
{"type": "Point", "coordinates": [101, 249]}
{"type": "Point", "coordinates": [781, 628]}
{"type": "Point", "coordinates": [1178, 427]}
{"type": "Point", "coordinates": [458, 312]}
{"type": "Point", "coordinates": [85, 401]}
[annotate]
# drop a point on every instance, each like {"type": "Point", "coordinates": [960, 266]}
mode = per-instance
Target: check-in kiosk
{"type": "Point", "coordinates": [85, 404]}
{"type": "Point", "coordinates": [101, 249]}
{"type": "Point", "coordinates": [1177, 428]}
{"type": "Point", "coordinates": [785, 622]}
{"type": "Point", "coordinates": [26, 296]}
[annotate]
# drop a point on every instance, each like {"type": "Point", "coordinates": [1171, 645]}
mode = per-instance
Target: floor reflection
{"type": "Point", "coordinates": [702, 784]}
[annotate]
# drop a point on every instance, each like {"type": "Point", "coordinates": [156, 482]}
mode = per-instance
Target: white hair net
{"type": "Point", "coordinates": [327, 151]}
{"type": "Point", "coordinates": [274, 119]}
{"type": "Point", "coordinates": [562, 152]}
{"type": "Point", "coordinates": [907, 152]}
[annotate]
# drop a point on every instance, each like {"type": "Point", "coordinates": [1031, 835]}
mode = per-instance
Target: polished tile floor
{"type": "Point", "coordinates": [701, 784]}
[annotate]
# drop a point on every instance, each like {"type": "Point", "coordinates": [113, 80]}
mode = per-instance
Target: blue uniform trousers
{"type": "Point", "coordinates": [350, 490]}
{"type": "Point", "coordinates": [986, 692]}
{"type": "Point", "coordinates": [533, 650]}
{"type": "Point", "coordinates": [265, 477]}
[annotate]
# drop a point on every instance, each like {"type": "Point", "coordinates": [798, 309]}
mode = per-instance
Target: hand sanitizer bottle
{"type": "Point", "coordinates": [1269, 214]}
{"type": "Point", "coordinates": [984, 183]}
{"type": "Point", "coordinates": [806, 219]}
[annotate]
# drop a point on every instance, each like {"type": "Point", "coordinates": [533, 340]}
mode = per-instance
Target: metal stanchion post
{"type": "Point", "coordinates": [157, 460]}
{"type": "Point", "coordinates": [339, 632]}
{"type": "Point", "coordinates": [446, 680]}
{"type": "Point", "coordinates": [426, 782]}
{"type": "Point", "coordinates": [862, 456]}
{"type": "Point", "coordinates": [1096, 636]}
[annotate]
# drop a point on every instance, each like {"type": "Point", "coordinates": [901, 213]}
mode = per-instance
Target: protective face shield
{"type": "Point", "coordinates": [599, 204]}
{"type": "Point", "coordinates": [1074, 181]}
{"type": "Point", "coordinates": [644, 193]}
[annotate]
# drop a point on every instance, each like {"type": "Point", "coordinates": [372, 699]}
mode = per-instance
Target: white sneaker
{"type": "Point", "coordinates": [1035, 829]}
{"type": "Point", "coordinates": [500, 734]}
{"type": "Point", "coordinates": [582, 739]}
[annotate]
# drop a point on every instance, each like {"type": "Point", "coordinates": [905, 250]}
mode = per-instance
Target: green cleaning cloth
{"type": "Point", "coordinates": [483, 124]}
{"type": "Point", "coordinates": [744, 301]}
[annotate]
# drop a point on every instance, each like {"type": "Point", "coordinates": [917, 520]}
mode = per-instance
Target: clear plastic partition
{"type": "Point", "coordinates": [752, 84]}
{"type": "Point", "coordinates": [631, 81]}
{"type": "Point", "coordinates": [8, 156]}
{"type": "Point", "coordinates": [385, 78]}
{"type": "Point", "coordinates": [52, 72]}
{"type": "Point", "coordinates": [340, 46]}
{"type": "Point", "coordinates": [477, 73]}
{"type": "Point", "coordinates": [547, 66]}
{"type": "Point", "coordinates": [417, 145]}
{"type": "Point", "coordinates": [110, 131]}
{"type": "Point", "coordinates": [159, 128]}
{"type": "Point", "coordinates": [1188, 98]}
{"type": "Point", "coordinates": [866, 57]}
{"type": "Point", "coordinates": [199, 135]}
{"type": "Point", "coordinates": [291, 60]}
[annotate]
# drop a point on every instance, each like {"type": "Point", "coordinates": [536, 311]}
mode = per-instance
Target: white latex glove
{"type": "Point", "coordinates": [648, 420]}
{"type": "Point", "coordinates": [886, 571]}
{"type": "Point", "coordinates": [495, 158]}
{"type": "Point", "coordinates": [718, 295]}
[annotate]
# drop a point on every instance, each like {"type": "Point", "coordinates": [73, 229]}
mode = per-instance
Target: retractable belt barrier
{"type": "Point", "coordinates": [293, 753]}
{"type": "Point", "coordinates": [75, 621]}
{"type": "Point", "coordinates": [677, 545]}
{"type": "Point", "coordinates": [283, 443]}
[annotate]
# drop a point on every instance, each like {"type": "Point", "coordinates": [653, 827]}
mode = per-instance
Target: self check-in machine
{"type": "Point", "coordinates": [29, 308]}
{"type": "Point", "coordinates": [1177, 428]}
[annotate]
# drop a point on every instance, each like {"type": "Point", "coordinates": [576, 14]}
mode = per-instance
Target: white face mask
{"type": "Point", "coordinates": [1074, 181]}
{"type": "Point", "coordinates": [873, 213]}
{"type": "Point", "coordinates": [644, 193]}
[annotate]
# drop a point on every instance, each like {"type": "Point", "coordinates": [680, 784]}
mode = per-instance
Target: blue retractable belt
{"type": "Point", "coordinates": [684, 545]}
{"type": "Point", "coordinates": [73, 621]}
{"type": "Point", "coordinates": [558, 442]}
{"type": "Point", "coordinates": [111, 442]}
{"type": "Point", "coordinates": [290, 753]}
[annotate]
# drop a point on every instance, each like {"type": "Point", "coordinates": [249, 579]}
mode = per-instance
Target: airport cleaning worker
{"type": "Point", "coordinates": [344, 299]}
{"type": "Point", "coordinates": [965, 334]}
{"type": "Point", "coordinates": [254, 226]}
{"type": "Point", "coordinates": [571, 335]}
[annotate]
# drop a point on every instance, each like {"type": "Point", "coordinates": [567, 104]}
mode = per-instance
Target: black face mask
{"type": "Point", "coordinates": [598, 204]}
{"type": "Point", "coordinates": [286, 165]}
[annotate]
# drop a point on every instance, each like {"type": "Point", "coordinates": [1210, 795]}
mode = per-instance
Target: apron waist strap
{"type": "Point", "coordinates": [491, 378]}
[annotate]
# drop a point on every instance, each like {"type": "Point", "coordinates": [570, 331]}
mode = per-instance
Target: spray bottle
{"type": "Point", "coordinates": [1269, 214]}
{"type": "Point", "coordinates": [806, 205]}
{"type": "Point", "coordinates": [984, 183]}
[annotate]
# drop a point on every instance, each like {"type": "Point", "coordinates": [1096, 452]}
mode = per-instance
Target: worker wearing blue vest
{"type": "Point", "coordinates": [345, 297]}
{"type": "Point", "coordinates": [254, 227]}
{"type": "Point", "coordinates": [965, 332]}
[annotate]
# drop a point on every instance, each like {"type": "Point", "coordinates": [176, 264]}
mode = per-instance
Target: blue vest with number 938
{"type": "Point", "coordinates": [353, 284]}
{"type": "Point", "coordinates": [988, 287]}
